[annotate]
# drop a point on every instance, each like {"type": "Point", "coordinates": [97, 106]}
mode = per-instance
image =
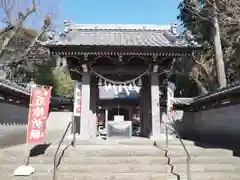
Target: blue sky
{"type": "Point", "coordinates": [118, 11]}
{"type": "Point", "coordinates": [101, 12]}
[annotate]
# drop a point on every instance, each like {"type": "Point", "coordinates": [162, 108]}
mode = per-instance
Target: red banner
{"type": "Point", "coordinates": [38, 114]}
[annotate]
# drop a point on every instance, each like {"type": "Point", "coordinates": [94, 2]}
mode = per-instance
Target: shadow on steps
{"type": "Point", "coordinates": [216, 142]}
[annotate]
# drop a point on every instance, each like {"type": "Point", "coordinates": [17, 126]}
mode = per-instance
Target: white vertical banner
{"type": "Point", "coordinates": [77, 99]}
{"type": "Point", "coordinates": [170, 96]}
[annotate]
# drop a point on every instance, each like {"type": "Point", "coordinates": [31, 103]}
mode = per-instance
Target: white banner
{"type": "Point", "coordinates": [77, 99]}
{"type": "Point", "coordinates": [170, 96]}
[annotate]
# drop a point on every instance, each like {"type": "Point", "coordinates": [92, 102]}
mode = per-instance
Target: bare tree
{"type": "Point", "coordinates": [20, 19]}
{"type": "Point", "coordinates": [16, 13]}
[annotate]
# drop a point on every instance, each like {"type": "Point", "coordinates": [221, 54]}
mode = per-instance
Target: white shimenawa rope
{"type": "Point", "coordinates": [119, 82]}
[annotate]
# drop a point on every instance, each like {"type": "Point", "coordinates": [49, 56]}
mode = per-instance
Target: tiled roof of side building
{"type": "Point", "coordinates": [4, 83]}
{"type": "Point", "coordinates": [149, 35]}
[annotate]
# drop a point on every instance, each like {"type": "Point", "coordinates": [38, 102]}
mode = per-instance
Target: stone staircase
{"type": "Point", "coordinates": [124, 160]}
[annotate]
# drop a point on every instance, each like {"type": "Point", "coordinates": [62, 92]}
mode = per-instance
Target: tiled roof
{"type": "Point", "coordinates": [118, 35]}
{"type": "Point", "coordinates": [14, 87]}
{"type": "Point", "coordinates": [230, 88]}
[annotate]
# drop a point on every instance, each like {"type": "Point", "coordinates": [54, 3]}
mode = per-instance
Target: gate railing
{"type": "Point", "coordinates": [188, 157]}
{"type": "Point", "coordinates": [60, 143]}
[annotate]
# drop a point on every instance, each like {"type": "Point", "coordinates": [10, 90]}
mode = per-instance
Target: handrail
{"type": "Point", "coordinates": [188, 168]}
{"type": "Point", "coordinates": [59, 145]}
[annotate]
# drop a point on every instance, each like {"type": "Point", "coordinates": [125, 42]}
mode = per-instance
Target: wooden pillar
{"type": "Point", "coordinates": [145, 126]}
{"type": "Point", "coordinates": [155, 106]}
{"type": "Point", "coordinates": [130, 113]}
{"type": "Point", "coordinates": [93, 106]}
{"type": "Point", "coordinates": [85, 114]}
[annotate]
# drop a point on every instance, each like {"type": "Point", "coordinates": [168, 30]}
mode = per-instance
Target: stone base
{"type": "Point", "coordinates": [79, 137]}
{"type": "Point", "coordinates": [161, 137]}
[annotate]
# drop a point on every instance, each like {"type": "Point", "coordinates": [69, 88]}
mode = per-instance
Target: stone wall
{"type": "Point", "coordinates": [13, 124]}
{"type": "Point", "coordinates": [221, 123]}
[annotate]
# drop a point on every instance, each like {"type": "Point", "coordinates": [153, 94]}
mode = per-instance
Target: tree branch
{"type": "Point", "coordinates": [17, 26]}
{"type": "Point", "coordinates": [19, 60]}
{"type": "Point", "coordinates": [6, 29]}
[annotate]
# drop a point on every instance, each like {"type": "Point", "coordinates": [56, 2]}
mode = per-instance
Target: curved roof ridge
{"type": "Point", "coordinates": [153, 27]}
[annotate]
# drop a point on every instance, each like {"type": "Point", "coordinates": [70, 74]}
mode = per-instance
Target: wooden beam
{"type": "Point", "coordinates": [126, 70]}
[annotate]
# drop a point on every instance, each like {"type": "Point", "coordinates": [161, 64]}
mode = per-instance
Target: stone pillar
{"type": "Point", "coordinates": [93, 107]}
{"type": "Point", "coordinates": [155, 104]}
{"type": "Point", "coordinates": [85, 113]}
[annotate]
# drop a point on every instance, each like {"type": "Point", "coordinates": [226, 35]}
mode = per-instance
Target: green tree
{"type": "Point", "coordinates": [63, 83]}
{"type": "Point", "coordinates": [43, 74]}
{"type": "Point", "coordinates": [196, 17]}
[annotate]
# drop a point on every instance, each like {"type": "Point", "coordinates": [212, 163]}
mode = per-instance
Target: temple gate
{"type": "Point", "coordinates": [123, 58]}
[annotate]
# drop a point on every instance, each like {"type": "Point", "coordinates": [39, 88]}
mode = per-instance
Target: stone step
{"type": "Point", "coordinates": [89, 160]}
{"type": "Point", "coordinates": [172, 152]}
{"type": "Point", "coordinates": [122, 160]}
{"type": "Point", "coordinates": [206, 160]}
{"type": "Point", "coordinates": [181, 168]}
{"type": "Point", "coordinates": [121, 151]}
{"type": "Point", "coordinates": [94, 176]}
{"type": "Point", "coordinates": [211, 176]}
{"type": "Point", "coordinates": [133, 141]}
{"type": "Point", "coordinates": [98, 150]}
{"type": "Point", "coordinates": [125, 176]}
{"type": "Point", "coordinates": [123, 168]}
{"type": "Point", "coordinates": [116, 168]}
{"type": "Point", "coordinates": [124, 150]}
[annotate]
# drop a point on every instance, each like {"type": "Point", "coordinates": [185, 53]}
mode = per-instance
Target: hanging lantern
{"type": "Point", "coordinates": [140, 82]}
{"type": "Point", "coordinates": [134, 83]}
{"type": "Point", "coordinates": [100, 82]}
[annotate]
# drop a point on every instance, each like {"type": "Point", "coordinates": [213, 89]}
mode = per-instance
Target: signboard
{"type": "Point", "coordinates": [77, 99]}
{"type": "Point", "coordinates": [38, 113]}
